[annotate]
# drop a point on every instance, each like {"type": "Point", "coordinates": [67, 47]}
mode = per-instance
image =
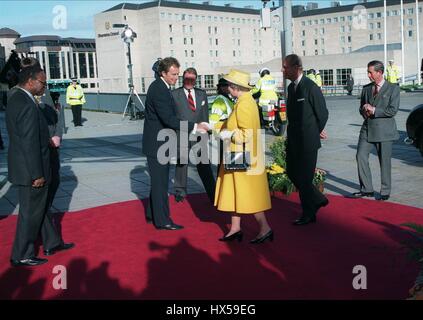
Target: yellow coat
{"type": "Point", "coordinates": [244, 192]}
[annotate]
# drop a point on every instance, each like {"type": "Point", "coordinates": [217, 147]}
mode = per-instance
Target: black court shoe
{"type": "Point", "coordinates": [235, 236]}
{"type": "Point", "coordinates": [268, 236]}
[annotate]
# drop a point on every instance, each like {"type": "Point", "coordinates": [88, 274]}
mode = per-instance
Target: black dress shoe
{"type": "Point", "coordinates": [149, 220]}
{"type": "Point", "coordinates": [383, 197]}
{"type": "Point", "coordinates": [171, 226]}
{"type": "Point", "coordinates": [323, 204]}
{"type": "Point", "coordinates": [304, 220]}
{"type": "Point", "coordinates": [179, 197]}
{"type": "Point", "coordinates": [28, 262]}
{"type": "Point", "coordinates": [267, 236]}
{"type": "Point", "coordinates": [360, 194]}
{"type": "Point", "coordinates": [234, 236]}
{"type": "Point", "coordinates": [60, 247]}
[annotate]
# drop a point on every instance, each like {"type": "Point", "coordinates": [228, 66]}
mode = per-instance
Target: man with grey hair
{"type": "Point", "coordinates": [379, 104]}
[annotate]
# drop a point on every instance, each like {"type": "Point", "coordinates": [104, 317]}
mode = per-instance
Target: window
{"type": "Point", "coordinates": [82, 65]}
{"type": "Point", "coordinates": [162, 15]}
{"type": "Point", "coordinates": [238, 20]}
{"type": "Point", "coordinates": [370, 37]}
{"type": "Point", "coordinates": [90, 64]}
{"type": "Point", "coordinates": [327, 77]}
{"type": "Point", "coordinates": [217, 41]}
{"type": "Point", "coordinates": [316, 31]}
{"type": "Point", "coordinates": [322, 41]}
{"type": "Point", "coordinates": [342, 28]}
{"type": "Point", "coordinates": [233, 31]}
{"type": "Point", "coordinates": [350, 18]}
{"type": "Point", "coordinates": [171, 40]}
{"type": "Point", "coordinates": [183, 17]}
{"type": "Point", "coordinates": [309, 22]}
{"type": "Point", "coordinates": [323, 51]}
{"type": "Point", "coordinates": [410, 33]}
{"type": "Point", "coordinates": [190, 29]}
{"type": "Point", "coordinates": [210, 30]}
{"type": "Point", "coordinates": [343, 39]}
{"type": "Point", "coordinates": [303, 23]}
{"type": "Point", "coordinates": [239, 53]}
{"type": "Point", "coordinates": [316, 52]}
{"type": "Point", "coordinates": [186, 53]}
{"type": "Point", "coordinates": [234, 53]}
{"type": "Point", "coordinates": [215, 30]}
{"type": "Point", "coordinates": [92, 85]}
{"type": "Point", "coordinates": [342, 19]}
{"type": "Point", "coordinates": [303, 33]}
{"type": "Point", "coordinates": [349, 39]}
{"type": "Point", "coordinates": [379, 25]}
{"type": "Point", "coordinates": [62, 54]}
{"type": "Point", "coordinates": [322, 31]}
{"type": "Point", "coordinates": [410, 11]}
{"type": "Point", "coordinates": [190, 17]}
{"type": "Point", "coordinates": [371, 26]}
{"type": "Point", "coordinates": [316, 21]}
{"type": "Point", "coordinates": [371, 15]}
{"type": "Point", "coordinates": [198, 82]}
{"type": "Point", "coordinates": [169, 16]}
{"type": "Point", "coordinates": [170, 28]}
{"type": "Point", "coordinates": [378, 15]}
{"type": "Point", "coordinates": [192, 41]}
{"type": "Point", "coordinates": [329, 20]}
{"type": "Point", "coordinates": [211, 53]}
{"type": "Point", "coordinates": [379, 36]}
{"type": "Point", "coordinates": [209, 81]}
{"type": "Point", "coordinates": [239, 31]}
{"type": "Point", "coordinates": [239, 42]}
{"type": "Point", "coordinates": [303, 43]}
{"type": "Point", "coordinates": [192, 53]}
{"type": "Point", "coordinates": [394, 12]}
{"type": "Point", "coordinates": [217, 53]}
{"type": "Point", "coordinates": [172, 53]}
{"type": "Point", "coordinates": [215, 19]}
{"type": "Point", "coordinates": [315, 42]}
{"type": "Point", "coordinates": [185, 40]}
{"type": "Point", "coordinates": [210, 41]}
{"type": "Point", "coordinates": [335, 20]}
{"type": "Point", "coordinates": [342, 76]}
{"type": "Point", "coordinates": [410, 22]}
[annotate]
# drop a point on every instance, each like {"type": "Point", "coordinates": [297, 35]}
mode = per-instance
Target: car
{"type": "Point", "coordinates": [414, 127]}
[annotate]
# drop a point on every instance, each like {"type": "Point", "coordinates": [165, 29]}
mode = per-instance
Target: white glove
{"type": "Point", "coordinates": [225, 134]}
{"type": "Point", "coordinates": [209, 126]}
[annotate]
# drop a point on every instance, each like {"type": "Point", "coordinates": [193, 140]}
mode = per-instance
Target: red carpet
{"type": "Point", "coordinates": [119, 256]}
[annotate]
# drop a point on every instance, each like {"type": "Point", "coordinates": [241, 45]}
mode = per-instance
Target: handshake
{"type": "Point", "coordinates": [368, 110]}
{"type": "Point", "coordinates": [203, 127]}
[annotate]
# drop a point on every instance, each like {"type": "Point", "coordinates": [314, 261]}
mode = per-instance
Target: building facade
{"type": "Point", "coordinates": [63, 58]}
{"type": "Point", "coordinates": [337, 41]}
{"type": "Point", "coordinates": [198, 35]}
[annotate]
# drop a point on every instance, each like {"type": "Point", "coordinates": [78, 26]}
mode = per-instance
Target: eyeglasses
{"type": "Point", "coordinates": [42, 82]}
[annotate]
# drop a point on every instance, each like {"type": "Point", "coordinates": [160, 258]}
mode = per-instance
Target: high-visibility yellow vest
{"type": "Point", "coordinates": [75, 95]}
{"type": "Point", "coordinates": [392, 74]}
{"type": "Point", "coordinates": [318, 80]}
{"type": "Point", "coordinates": [267, 88]}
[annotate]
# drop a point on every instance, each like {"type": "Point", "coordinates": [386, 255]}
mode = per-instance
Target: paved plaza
{"type": "Point", "coordinates": [102, 162]}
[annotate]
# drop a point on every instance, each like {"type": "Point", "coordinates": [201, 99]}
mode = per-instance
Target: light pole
{"type": "Point", "coordinates": [128, 35]}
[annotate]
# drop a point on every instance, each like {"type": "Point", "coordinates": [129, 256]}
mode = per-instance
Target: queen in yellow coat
{"type": "Point", "coordinates": [241, 193]}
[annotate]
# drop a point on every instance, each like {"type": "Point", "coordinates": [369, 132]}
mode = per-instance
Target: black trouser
{"type": "Point", "coordinates": [158, 207]}
{"type": "Point", "coordinates": [1, 142]}
{"type": "Point", "coordinates": [77, 114]}
{"type": "Point", "coordinates": [300, 169]}
{"type": "Point", "coordinates": [31, 219]}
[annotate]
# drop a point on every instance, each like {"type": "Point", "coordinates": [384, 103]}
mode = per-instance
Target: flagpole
{"type": "Point", "coordinates": [402, 44]}
{"type": "Point", "coordinates": [418, 43]}
{"type": "Point", "coordinates": [385, 45]}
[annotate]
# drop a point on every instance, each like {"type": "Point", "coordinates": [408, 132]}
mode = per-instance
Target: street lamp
{"type": "Point", "coordinates": [128, 35]}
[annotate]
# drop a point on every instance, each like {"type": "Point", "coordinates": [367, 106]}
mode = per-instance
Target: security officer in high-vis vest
{"type": "Point", "coordinates": [75, 98]}
{"type": "Point", "coordinates": [266, 86]}
{"type": "Point", "coordinates": [392, 73]}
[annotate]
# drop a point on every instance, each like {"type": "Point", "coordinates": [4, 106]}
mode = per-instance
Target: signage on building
{"type": "Point", "coordinates": [110, 34]}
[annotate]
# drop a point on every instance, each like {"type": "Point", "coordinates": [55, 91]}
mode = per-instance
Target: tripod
{"type": "Point", "coordinates": [134, 112]}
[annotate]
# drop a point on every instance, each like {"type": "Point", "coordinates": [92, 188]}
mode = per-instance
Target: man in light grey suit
{"type": "Point", "coordinates": [379, 104]}
{"type": "Point", "coordinates": [191, 105]}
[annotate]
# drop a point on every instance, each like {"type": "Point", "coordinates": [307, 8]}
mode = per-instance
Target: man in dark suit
{"type": "Point", "coordinates": [379, 104]}
{"type": "Point", "coordinates": [191, 105]}
{"type": "Point", "coordinates": [29, 168]}
{"type": "Point", "coordinates": [307, 117]}
{"type": "Point", "coordinates": [161, 120]}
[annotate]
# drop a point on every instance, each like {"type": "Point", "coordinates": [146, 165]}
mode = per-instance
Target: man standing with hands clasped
{"type": "Point", "coordinates": [379, 104]}
{"type": "Point", "coordinates": [307, 117]}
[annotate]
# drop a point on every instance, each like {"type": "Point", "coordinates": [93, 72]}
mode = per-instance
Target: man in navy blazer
{"type": "Point", "coordinates": [160, 114]}
{"type": "Point", "coordinates": [307, 117]}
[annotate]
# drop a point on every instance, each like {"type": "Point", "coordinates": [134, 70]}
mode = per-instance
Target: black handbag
{"type": "Point", "coordinates": [237, 161]}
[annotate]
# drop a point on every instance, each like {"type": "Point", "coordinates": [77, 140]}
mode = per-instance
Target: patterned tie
{"type": "Point", "coordinates": [376, 91]}
{"type": "Point", "coordinates": [191, 103]}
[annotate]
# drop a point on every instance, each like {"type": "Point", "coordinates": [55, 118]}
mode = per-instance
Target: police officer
{"type": "Point", "coordinates": [392, 72]}
{"type": "Point", "coordinates": [266, 87]}
{"type": "Point", "coordinates": [75, 98]}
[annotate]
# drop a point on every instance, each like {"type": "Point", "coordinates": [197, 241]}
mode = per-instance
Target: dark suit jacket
{"type": "Point", "coordinates": [201, 113]}
{"type": "Point", "coordinates": [381, 126]}
{"type": "Point", "coordinates": [53, 117]}
{"type": "Point", "coordinates": [28, 156]}
{"type": "Point", "coordinates": [307, 116]}
{"type": "Point", "coordinates": [160, 113]}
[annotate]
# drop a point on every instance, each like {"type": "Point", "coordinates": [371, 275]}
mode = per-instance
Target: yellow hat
{"type": "Point", "coordinates": [239, 78]}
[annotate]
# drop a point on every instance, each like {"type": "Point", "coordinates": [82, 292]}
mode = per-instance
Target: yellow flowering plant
{"type": "Point", "coordinates": [276, 172]}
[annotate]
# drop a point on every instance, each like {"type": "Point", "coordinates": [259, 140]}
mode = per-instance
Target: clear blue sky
{"type": "Point", "coordinates": [36, 17]}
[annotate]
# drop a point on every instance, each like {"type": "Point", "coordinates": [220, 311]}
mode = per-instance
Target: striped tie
{"type": "Point", "coordinates": [191, 103]}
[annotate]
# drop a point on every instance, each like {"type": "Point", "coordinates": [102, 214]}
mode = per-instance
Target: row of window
{"type": "Point", "coordinates": [198, 18]}
{"type": "Point", "coordinates": [371, 15]}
